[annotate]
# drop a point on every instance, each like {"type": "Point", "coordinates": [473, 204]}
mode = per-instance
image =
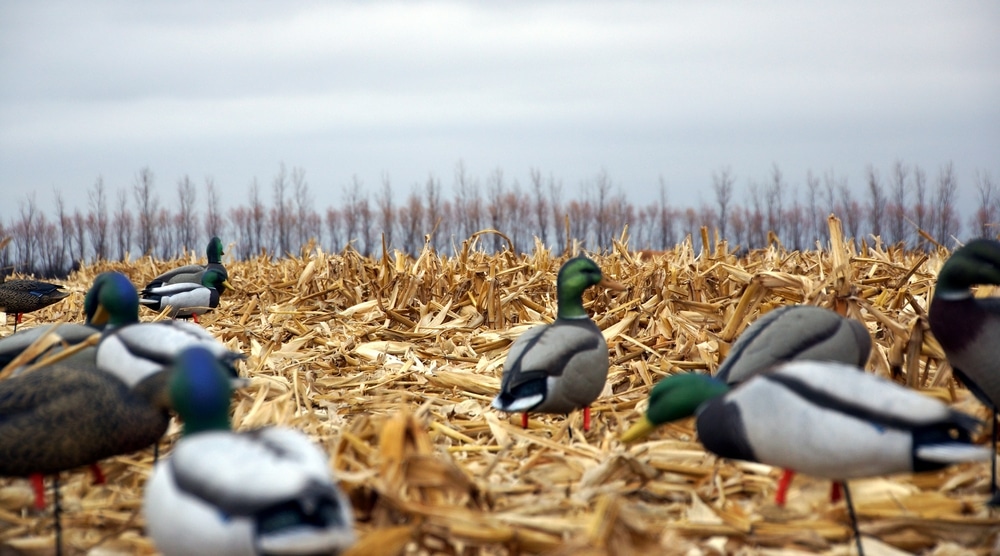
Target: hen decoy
{"type": "Point", "coordinates": [968, 328]}
{"type": "Point", "coordinates": [262, 491]}
{"type": "Point", "coordinates": [193, 273]}
{"type": "Point", "coordinates": [795, 332]}
{"type": "Point", "coordinates": [824, 419]}
{"type": "Point", "coordinates": [187, 299]}
{"type": "Point", "coordinates": [562, 366]}
{"type": "Point", "coordinates": [25, 296]}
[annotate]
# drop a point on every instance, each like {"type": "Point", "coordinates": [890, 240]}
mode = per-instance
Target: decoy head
{"type": "Point", "coordinates": [214, 250]}
{"type": "Point", "coordinates": [111, 301]}
{"type": "Point", "coordinates": [200, 391]}
{"type": "Point", "coordinates": [575, 276]}
{"type": "Point", "coordinates": [212, 278]}
{"type": "Point", "coordinates": [674, 398]}
{"type": "Point", "coordinates": [976, 262]}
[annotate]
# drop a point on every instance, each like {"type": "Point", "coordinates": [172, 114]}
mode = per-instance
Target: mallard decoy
{"type": "Point", "coordinates": [262, 491]}
{"type": "Point", "coordinates": [795, 332]}
{"type": "Point", "coordinates": [193, 273]}
{"type": "Point", "coordinates": [71, 413]}
{"type": "Point", "coordinates": [870, 426]}
{"type": "Point", "coordinates": [25, 296]}
{"type": "Point", "coordinates": [968, 328]}
{"type": "Point", "coordinates": [186, 299]}
{"type": "Point", "coordinates": [562, 366]}
{"type": "Point", "coordinates": [107, 301]}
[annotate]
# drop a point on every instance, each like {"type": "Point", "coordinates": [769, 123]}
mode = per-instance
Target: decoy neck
{"type": "Point", "coordinates": [112, 301]}
{"type": "Point", "coordinates": [216, 280]}
{"type": "Point", "coordinates": [214, 251]}
{"type": "Point", "coordinates": [977, 262]}
{"type": "Point", "coordinates": [200, 390]}
{"type": "Point", "coordinates": [674, 398]}
{"type": "Point", "coordinates": [575, 276]}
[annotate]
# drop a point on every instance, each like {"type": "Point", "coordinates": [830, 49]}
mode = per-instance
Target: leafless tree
{"type": "Point", "coordinates": [541, 205]}
{"type": "Point", "coordinates": [876, 201]}
{"type": "Point", "coordinates": [79, 252]}
{"type": "Point", "coordinates": [410, 218]}
{"type": "Point", "coordinates": [581, 217]}
{"type": "Point", "coordinates": [333, 228]}
{"type": "Point", "coordinates": [214, 222]}
{"type": "Point", "coordinates": [257, 218]}
{"type": "Point", "coordinates": [65, 222]}
{"type": "Point", "coordinates": [898, 207]}
{"type": "Point", "coordinates": [365, 219]}
{"type": "Point", "coordinates": [349, 216]}
{"type": "Point", "coordinates": [25, 233]}
{"type": "Point", "coordinates": [97, 220]}
{"type": "Point", "coordinates": [984, 221]}
{"type": "Point", "coordinates": [559, 214]}
{"type": "Point", "coordinates": [722, 184]}
{"type": "Point", "coordinates": [665, 220]}
{"type": "Point", "coordinates": [386, 212]}
{"type": "Point", "coordinates": [432, 214]}
{"type": "Point", "coordinates": [795, 223]}
{"type": "Point", "coordinates": [281, 212]}
{"type": "Point", "coordinates": [851, 210]}
{"type": "Point", "coordinates": [122, 225]}
{"type": "Point", "coordinates": [496, 189]}
{"type": "Point", "coordinates": [812, 215]}
{"type": "Point", "coordinates": [468, 201]}
{"type": "Point", "coordinates": [602, 192]}
{"type": "Point", "coordinates": [756, 234]}
{"type": "Point", "coordinates": [147, 206]}
{"type": "Point", "coordinates": [302, 205]}
{"type": "Point", "coordinates": [922, 213]}
{"type": "Point", "coordinates": [948, 225]}
{"type": "Point", "coordinates": [775, 194]}
{"type": "Point", "coordinates": [738, 225]}
{"type": "Point", "coordinates": [186, 217]}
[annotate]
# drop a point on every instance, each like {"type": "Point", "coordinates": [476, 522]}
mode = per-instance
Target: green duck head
{"type": "Point", "coordinates": [575, 276]}
{"type": "Point", "coordinates": [212, 278]}
{"type": "Point", "coordinates": [214, 251]}
{"type": "Point", "coordinates": [673, 398]}
{"type": "Point", "coordinates": [977, 262]}
{"type": "Point", "coordinates": [111, 301]}
{"type": "Point", "coordinates": [200, 391]}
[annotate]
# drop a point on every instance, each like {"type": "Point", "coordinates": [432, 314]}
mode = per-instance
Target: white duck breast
{"type": "Point", "coordinates": [795, 332]}
{"type": "Point", "coordinates": [184, 299]}
{"type": "Point", "coordinates": [263, 491]}
{"type": "Point", "coordinates": [554, 368]}
{"type": "Point", "coordinates": [830, 420]}
{"type": "Point", "coordinates": [138, 350]}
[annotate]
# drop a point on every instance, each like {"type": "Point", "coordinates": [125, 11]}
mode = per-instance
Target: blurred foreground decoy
{"type": "Point", "coordinates": [25, 296]}
{"type": "Point", "coordinates": [262, 491]}
{"type": "Point", "coordinates": [869, 426]}
{"type": "Point", "coordinates": [968, 328]}
{"type": "Point", "coordinates": [562, 366]}
{"type": "Point", "coordinates": [193, 273]}
{"type": "Point", "coordinates": [71, 413]}
{"type": "Point", "coordinates": [795, 333]}
{"type": "Point", "coordinates": [187, 299]}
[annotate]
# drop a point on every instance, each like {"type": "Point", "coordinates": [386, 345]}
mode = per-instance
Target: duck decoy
{"type": "Point", "coordinates": [870, 426]}
{"type": "Point", "coordinates": [103, 303]}
{"type": "Point", "coordinates": [25, 296]}
{"type": "Point", "coordinates": [68, 414]}
{"type": "Point", "coordinates": [220, 492]}
{"type": "Point", "coordinates": [562, 366]}
{"type": "Point", "coordinates": [193, 273]}
{"type": "Point", "coordinates": [795, 332]}
{"type": "Point", "coordinates": [968, 328]}
{"type": "Point", "coordinates": [187, 299]}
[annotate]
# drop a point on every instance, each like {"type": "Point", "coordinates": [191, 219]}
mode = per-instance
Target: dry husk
{"type": "Point", "coordinates": [390, 364]}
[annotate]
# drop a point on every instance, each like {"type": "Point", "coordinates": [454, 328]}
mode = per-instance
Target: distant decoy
{"type": "Point", "coordinates": [968, 328]}
{"type": "Point", "coordinates": [562, 366]}
{"type": "Point", "coordinates": [795, 332]}
{"type": "Point", "coordinates": [193, 273]}
{"type": "Point", "coordinates": [25, 296]}
{"type": "Point", "coordinates": [220, 492]}
{"type": "Point", "coordinates": [869, 426]}
{"type": "Point", "coordinates": [187, 299]}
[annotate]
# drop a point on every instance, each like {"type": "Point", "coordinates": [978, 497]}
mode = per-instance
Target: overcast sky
{"type": "Point", "coordinates": [643, 90]}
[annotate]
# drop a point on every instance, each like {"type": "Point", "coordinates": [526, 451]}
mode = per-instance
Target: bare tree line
{"type": "Point", "coordinates": [135, 221]}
